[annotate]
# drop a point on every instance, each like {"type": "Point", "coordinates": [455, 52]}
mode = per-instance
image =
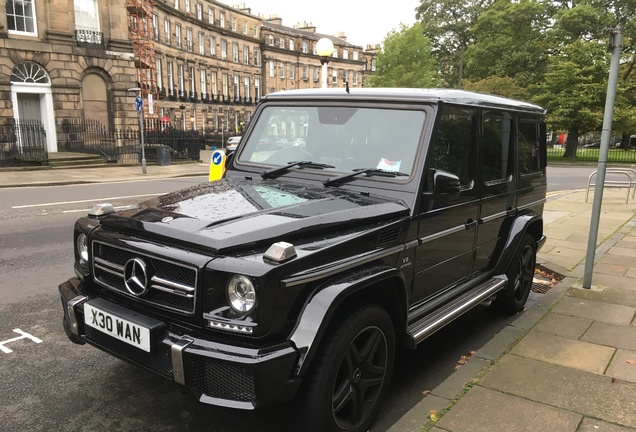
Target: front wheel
{"type": "Point", "coordinates": [520, 274]}
{"type": "Point", "coordinates": [351, 373]}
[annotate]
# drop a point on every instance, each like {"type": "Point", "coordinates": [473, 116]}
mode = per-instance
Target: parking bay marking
{"type": "Point", "coordinates": [23, 335]}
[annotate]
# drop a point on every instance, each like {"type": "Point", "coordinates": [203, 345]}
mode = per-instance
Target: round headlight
{"type": "Point", "coordinates": [241, 294]}
{"type": "Point", "coordinates": [82, 249]}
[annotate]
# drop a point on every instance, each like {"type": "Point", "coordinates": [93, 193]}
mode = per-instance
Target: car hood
{"type": "Point", "coordinates": [230, 214]}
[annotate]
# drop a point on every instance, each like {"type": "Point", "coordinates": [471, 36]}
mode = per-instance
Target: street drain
{"type": "Point", "coordinates": [544, 279]}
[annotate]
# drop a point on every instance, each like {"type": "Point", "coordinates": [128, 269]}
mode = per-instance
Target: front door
{"type": "Point", "coordinates": [29, 107]}
{"type": "Point", "coordinates": [447, 224]}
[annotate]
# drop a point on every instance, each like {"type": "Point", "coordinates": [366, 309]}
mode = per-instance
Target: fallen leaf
{"type": "Point", "coordinates": [613, 380]}
{"type": "Point", "coordinates": [433, 415]}
{"type": "Point", "coordinates": [426, 392]}
{"type": "Point", "coordinates": [631, 362]}
{"type": "Point", "coordinates": [472, 353]}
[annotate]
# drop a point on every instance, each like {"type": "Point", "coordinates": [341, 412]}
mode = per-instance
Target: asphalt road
{"type": "Point", "coordinates": [50, 384]}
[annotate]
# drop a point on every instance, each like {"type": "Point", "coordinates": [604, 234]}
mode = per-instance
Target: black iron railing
{"type": "Point", "coordinates": [23, 143]}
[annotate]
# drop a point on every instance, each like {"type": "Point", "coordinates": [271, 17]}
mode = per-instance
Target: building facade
{"type": "Point", "coordinates": [62, 60]}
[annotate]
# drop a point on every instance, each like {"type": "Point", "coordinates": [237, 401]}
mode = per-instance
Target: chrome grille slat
{"type": "Point", "coordinates": [172, 286]}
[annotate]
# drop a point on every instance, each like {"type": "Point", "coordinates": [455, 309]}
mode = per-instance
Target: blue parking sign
{"type": "Point", "coordinates": [139, 102]}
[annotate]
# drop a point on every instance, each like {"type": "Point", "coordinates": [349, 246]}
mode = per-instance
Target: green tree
{"type": "Point", "coordinates": [448, 25]}
{"type": "Point", "coordinates": [405, 60]}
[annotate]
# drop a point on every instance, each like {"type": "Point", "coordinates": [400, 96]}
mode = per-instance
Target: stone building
{"type": "Point", "coordinates": [65, 59]}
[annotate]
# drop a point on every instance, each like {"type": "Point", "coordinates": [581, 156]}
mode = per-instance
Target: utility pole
{"type": "Point", "coordinates": [139, 106]}
{"type": "Point", "coordinates": [615, 46]}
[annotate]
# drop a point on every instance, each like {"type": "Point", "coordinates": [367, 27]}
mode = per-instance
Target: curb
{"type": "Point", "coordinates": [442, 398]}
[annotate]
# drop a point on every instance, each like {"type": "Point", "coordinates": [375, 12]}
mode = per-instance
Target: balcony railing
{"type": "Point", "coordinates": [89, 38]}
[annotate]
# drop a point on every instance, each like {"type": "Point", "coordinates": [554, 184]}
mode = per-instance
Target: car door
{"type": "Point", "coordinates": [496, 183]}
{"type": "Point", "coordinates": [447, 221]}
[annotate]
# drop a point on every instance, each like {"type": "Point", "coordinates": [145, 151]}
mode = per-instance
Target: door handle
{"type": "Point", "coordinates": [470, 223]}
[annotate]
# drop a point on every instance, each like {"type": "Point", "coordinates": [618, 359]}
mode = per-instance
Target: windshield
{"type": "Point", "coordinates": [343, 138]}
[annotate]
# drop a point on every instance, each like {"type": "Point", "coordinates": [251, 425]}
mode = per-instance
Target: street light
{"type": "Point", "coordinates": [324, 48]}
{"type": "Point", "coordinates": [140, 107]}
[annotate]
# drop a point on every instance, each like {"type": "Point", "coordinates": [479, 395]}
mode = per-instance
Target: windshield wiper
{"type": "Point", "coordinates": [367, 171]}
{"type": "Point", "coordinates": [299, 164]}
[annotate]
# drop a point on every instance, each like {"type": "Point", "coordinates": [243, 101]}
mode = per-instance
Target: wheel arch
{"type": "Point", "coordinates": [382, 285]}
{"type": "Point", "coordinates": [530, 223]}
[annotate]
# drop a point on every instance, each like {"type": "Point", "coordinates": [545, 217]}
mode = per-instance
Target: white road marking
{"type": "Point", "coordinates": [129, 207]}
{"type": "Point", "coordinates": [95, 200]}
{"type": "Point", "coordinates": [23, 335]}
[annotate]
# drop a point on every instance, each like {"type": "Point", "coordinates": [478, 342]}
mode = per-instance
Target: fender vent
{"type": "Point", "coordinates": [389, 238]}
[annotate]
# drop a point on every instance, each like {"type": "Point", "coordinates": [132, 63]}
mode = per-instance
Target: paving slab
{"type": "Point", "coordinates": [417, 416]}
{"type": "Point", "coordinates": [619, 336]}
{"type": "Point", "coordinates": [596, 310]}
{"type": "Point", "coordinates": [585, 393]}
{"type": "Point", "coordinates": [564, 325]}
{"type": "Point", "coordinates": [611, 292]}
{"type": "Point", "coordinates": [565, 352]}
{"type": "Point", "coordinates": [595, 425]}
{"type": "Point", "coordinates": [484, 410]}
{"type": "Point", "coordinates": [623, 366]}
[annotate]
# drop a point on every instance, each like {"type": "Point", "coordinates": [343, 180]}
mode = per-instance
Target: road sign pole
{"type": "Point", "coordinates": [141, 133]}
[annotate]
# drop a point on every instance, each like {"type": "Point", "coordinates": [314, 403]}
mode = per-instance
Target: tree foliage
{"type": "Point", "coordinates": [405, 60]}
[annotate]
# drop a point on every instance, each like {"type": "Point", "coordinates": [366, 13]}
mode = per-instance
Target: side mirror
{"type": "Point", "coordinates": [445, 183]}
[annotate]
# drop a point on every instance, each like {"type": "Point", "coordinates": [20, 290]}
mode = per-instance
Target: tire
{"type": "Point", "coordinates": [512, 299]}
{"type": "Point", "coordinates": [350, 374]}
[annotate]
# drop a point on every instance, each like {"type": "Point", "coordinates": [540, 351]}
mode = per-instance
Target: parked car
{"type": "Point", "coordinates": [300, 273]}
{"type": "Point", "coordinates": [232, 143]}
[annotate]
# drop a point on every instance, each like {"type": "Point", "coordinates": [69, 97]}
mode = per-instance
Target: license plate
{"type": "Point", "coordinates": [117, 327]}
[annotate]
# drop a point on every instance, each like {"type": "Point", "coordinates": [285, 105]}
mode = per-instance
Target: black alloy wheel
{"type": "Point", "coordinates": [520, 275]}
{"type": "Point", "coordinates": [352, 374]}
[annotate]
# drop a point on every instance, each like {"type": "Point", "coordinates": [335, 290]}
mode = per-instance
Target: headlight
{"type": "Point", "coordinates": [241, 294]}
{"type": "Point", "coordinates": [81, 243]}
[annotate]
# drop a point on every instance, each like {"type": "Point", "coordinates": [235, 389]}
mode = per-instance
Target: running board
{"type": "Point", "coordinates": [422, 329]}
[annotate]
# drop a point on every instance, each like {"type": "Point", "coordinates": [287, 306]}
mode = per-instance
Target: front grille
{"type": "Point", "coordinates": [158, 360]}
{"type": "Point", "coordinates": [223, 380]}
{"type": "Point", "coordinates": [171, 285]}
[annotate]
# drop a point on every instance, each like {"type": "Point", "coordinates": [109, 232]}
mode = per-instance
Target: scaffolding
{"type": "Point", "coordinates": [142, 31]}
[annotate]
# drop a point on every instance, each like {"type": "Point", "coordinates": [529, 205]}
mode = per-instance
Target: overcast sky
{"type": "Point", "coordinates": [363, 22]}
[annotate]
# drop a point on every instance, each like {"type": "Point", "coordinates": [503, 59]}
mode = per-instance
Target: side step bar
{"type": "Point", "coordinates": [422, 329]}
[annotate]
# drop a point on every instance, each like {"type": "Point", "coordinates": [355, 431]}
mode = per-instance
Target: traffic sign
{"type": "Point", "coordinates": [217, 165]}
{"type": "Point", "coordinates": [139, 102]}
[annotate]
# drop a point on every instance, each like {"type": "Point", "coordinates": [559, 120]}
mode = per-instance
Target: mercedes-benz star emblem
{"type": "Point", "coordinates": [136, 277]}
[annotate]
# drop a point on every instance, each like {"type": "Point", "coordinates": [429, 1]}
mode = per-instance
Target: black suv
{"type": "Point", "coordinates": [299, 274]}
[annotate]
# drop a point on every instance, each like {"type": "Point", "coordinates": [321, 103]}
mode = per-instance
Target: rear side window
{"type": "Point", "coordinates": [529, 151]}
{"type": "Point", "coordinates": [495, 146]}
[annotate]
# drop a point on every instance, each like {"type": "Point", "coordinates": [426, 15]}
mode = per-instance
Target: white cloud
{"type": "Point", "coordinates": [361, 21]}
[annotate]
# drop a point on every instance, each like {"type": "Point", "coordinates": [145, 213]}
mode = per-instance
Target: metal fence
{"type": "Point", "coordinates": [23, 143]}
{"type": "Point", "coordinates": [590, 153]}
{"type": "Point", "coordinates": [124, 145]}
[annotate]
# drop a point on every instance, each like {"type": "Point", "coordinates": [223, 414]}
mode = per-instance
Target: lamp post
{"type": "Point", "coordinates": [139, 105]}
{"type": "Point", "coordinates": [324, 48]}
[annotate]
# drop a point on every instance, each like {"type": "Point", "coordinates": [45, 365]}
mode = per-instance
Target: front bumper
{"type": "Point", "coordinates": [218, 374]}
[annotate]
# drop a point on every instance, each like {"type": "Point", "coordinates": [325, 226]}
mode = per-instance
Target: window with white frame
{"type": "Point", "coordinates": [345, 76]}
{"type": "Point", "coordinates": [335, 53]}
{"type": "Point", "coordinates": [224, 49]}
{"type": "Point", "coordinates": [176, 4]}
{"type": "Point", "coordinates": [355, 55]}
{"type": "Point", "coordinates": [257, 89]}
{"type": "Point", "coordinates": [187, 6]}
{"type": "Point", "coordinates": [177, 35]}
{"type": "Point", "coordinates": [210, 15]}
{"type": "Point", "coordinates": [235, 52]}
{"type": "Point", "coordinates": [246, 54]}
{"type": "Point", "coordinates": [272, 69]}
{"type": "Point", "coordinates": [314, 49]}
{"type": "Point", "coordinates": [233, 23]}
{"type": "Point", "coordinates": [334, 76]}
{"type": "Point", "coordinates": [316, 73]}
{"type": "Point", "coordinates": [201, 43]}
{"type": "Point", "coordinates": [355, 77]}
{"type": "Point", "coordinates": [200, 11]}
{"type": "Point", "coordinates": [292, 71]}
{"type": "Point", "coordinates": [155, 27]}
{"type": "Point", "coordinates": [222, 19]}
{"type": "Point", "coordinates": [255, 34]}
{"type": "Point", "coordinates": [226, 88]}
{"type": "Point", "coordinates": [281, 70]}
{"type": "Point", "coordinates": [305, 47]}
{"type": "Point", "coordinates": [213, 87]}
{"type": "Point", "coordinates": [270, 40]}
{"type": "Point", "coordinates": [244, 27]}
{"type": "Point", "coordinates": [181, 78]}
{"type": "Point", "coordinates": [281, 42]}
{"type": "Point", "coordinates": [291, 44]}
{"type": "Point", "coordinates": [170, 72]}
{"type": "Point", "coordinates": [203, 83]}
{"type": "Point", "coordinates": [191, 77]}
{"type": "Point", "coordinates": [189, 39]}
{"type": "Point", "coordinates": [86, 14]}
{"type": "Point", "coordinates": [373, 65]}
{"type": "Point", "coordinates": [345, 54]}
{"type": "Point", "coordinates": [212, 46]}
{"type": "Point", "coordinates": [166, 32]}
{"type": "Point", "coordinates": [246, 84]}
{"type": "Point", "coordinates": [237, 87]}
{"type": "Point", "coordinates": [159, 74]}
{"type": "Point", "coordinates": [257, 57]}
{"type": "Point", "coordinates": [305, 72]}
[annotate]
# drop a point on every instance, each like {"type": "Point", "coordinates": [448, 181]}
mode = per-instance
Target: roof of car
{"type": "Point", "coordinates": [433, 95]}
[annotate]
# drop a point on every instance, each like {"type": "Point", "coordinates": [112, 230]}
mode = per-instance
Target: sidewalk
{"type": "Point", "coordinates": [569, 362]}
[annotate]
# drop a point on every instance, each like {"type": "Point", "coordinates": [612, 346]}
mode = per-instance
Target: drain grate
{"type": "Point", "coordinates": [544, 279]}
